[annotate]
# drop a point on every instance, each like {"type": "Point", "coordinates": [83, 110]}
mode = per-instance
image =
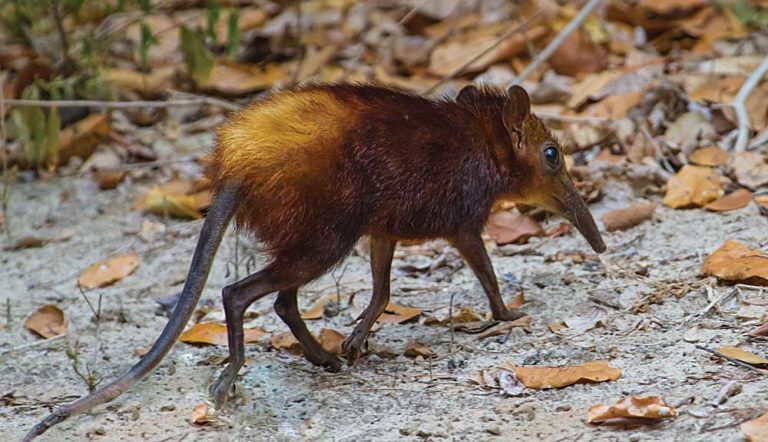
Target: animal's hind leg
{"type": "Point", "coordinates": [382, 249]}
{"type": "Point", "coordinates": [288, 310]}
{"type": "Point", "coordinates": [236, 298]}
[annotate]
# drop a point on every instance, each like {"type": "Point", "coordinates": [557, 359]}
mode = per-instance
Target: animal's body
{"type": "Point", "coordinates": [309, 172]}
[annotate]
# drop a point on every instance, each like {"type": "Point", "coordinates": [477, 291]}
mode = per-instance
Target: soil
{"type": "Point", "coordinates": [647, 331]}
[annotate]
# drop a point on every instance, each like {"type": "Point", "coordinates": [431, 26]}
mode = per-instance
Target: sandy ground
{"type": "Point", "coordinates": [395, 398]}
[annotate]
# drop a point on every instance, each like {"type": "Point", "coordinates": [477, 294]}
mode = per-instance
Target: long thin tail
{"type": "Point", "coordinates": [219, 216]}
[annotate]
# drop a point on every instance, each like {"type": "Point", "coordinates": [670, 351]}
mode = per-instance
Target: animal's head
{"type": "Point", "coordinates": [538, 175]}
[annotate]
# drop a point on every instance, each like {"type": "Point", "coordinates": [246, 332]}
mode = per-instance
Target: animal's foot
{"type": "Point", "coordinates": [353, 346]}
{"type": "Point", "coordinates": [509, 315]}
{"type": "Point", "coordinates": [322, 358]}
{"type": "Point", "coordinates": [224, 387]}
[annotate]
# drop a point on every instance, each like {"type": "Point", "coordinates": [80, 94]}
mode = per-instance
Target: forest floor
{"type": "Point", "coordinates": [644, 329]}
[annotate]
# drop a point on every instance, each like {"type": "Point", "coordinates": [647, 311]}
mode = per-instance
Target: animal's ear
{"type": "Point", "coordinates": [516, 109]}
{"type": "Point", "coordinates": [467, 93]}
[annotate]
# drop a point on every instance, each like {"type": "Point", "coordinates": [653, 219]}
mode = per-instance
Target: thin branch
{"type": "Point", "coordinates": [125, 104]}
{"type": "Point", "coordinates": [461, 68]}
{"type": "Point", "coordinates": [557, 41]}
{"type": "Point", "coordinates": [591, 121]}
{"type": "Point", "coordinates": [741, 110]}
{"type": "Point", "coordinates": [732, 360]}
{"type": "Point", "coordinates": [33, 344]}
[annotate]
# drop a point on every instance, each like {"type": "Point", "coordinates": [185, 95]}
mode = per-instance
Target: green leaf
{"type": "Point", "coordinates": [212, 12]}
{"type": "Point", "coordinates": [198, 58]}
{"type": "Point", "coordinates": [147, 41]}
{"type": "Point", "coordinates": [233, 32]}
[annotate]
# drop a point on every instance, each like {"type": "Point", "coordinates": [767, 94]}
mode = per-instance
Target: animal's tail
{"type": "Point", "coordinates": [216, 222]}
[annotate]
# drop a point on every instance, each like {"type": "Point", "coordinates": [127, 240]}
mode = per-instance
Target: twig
{"type": "Point", "coordinates": [715, 301]}
{"type": "Point", "coordinates": [461, 68]}
{"type": "Point", "coordinates": [741, 110]}
{"type": "Point", "coordinates": [557, 41]}
{"type": "Point", "coordinates": [412, 12]}
{"type": "Point", "coordinates": [594, 121]}
{"type": "Point", "coordinates": [155, 163]}
{"type": "Point", "coordinates": [6, 194]}
{"type": "Point", "coordinates": [33, 344]}
{"type": "Point", "coordinates": [125, 104]}
{"type": "Point", "coordinates": [732, 360]}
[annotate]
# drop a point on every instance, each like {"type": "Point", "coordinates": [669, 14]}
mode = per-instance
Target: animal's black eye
{"type": "Point", "coordinates": [552, 156]}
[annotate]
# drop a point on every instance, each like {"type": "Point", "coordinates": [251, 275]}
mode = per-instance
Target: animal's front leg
{"type": "Point", "coordinates": [471, 247]}
{"type": "Point", "coordinates": [382, 249]}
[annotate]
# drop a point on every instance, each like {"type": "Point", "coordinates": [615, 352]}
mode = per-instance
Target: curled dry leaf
{"type": "Point", "coordinates": [285, 341]}
{"type": "Point", "coordinates": [179, 198]}
{"type": "Point", "coordinates": [734, 261]}
{"type": "Point", "coordinates": [396, 314]}
{"type": "Point", "coordinates": [417, 348]}
{"type": "Point", "coordinates": [108, 271]}
{"type": "Point", "coordinates": [581, 323]}
{"type": "Point", "coordinates": [47, 321]}
{"type": "Point", "coordinates": [216, 334]}
{"type": "Point", "coordinates": [81, 139]}
{"type": "Point", "coordinates": [638, 407]}
{"type": "Point", "coordinates": [733, 201]}
{"type": "Point", "coordinates": [317, 309]}
{"type": "Point", "coordinates": [750, 169]}
{"type": "Point", "coordinates": [517, 301]}
{"type": "Point", "coordinates": [506, 227]}
{"type": "Point", "coordinates": [756, 430]}
{"type": "Point", "coordinates": [108, 179]}
{"type": "Point", "coordinates": [331, 340]}
{"type": "Point", "coordinates": [692, 186]}
{"type": "Point", "coordinates": [203, 414]}
{"type": "Point", "coordinates": [631, 216]}
{"type": "Point", "coordinates": [760, 331]}
{"type": "Point", "coordinates": [709, 156]}
{"type": "Point", "coordinates": [742, 355]}
{"type": "Point", "coordinates": [506, 327]}
{"type": "Point", "coordinates": [558, 377]}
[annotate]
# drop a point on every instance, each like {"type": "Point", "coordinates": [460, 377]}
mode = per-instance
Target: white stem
{"type": "Point", "coordinates": [738, 105]}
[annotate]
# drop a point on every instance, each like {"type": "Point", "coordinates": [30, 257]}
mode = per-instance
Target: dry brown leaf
{"type": "Point", "coordinates": [642, 407]}
{"type": "Point", "coordinates": [589, 87]}
{"type": "Point", "coordinates": [216, 334]}
{"type": "Point", "coordinates": [621, 219]}
{"type": "Point", "coordinates": [750, 169]}
{"type": "Point", "coordinates": [179, 198]}
{"type": "Point", "coordinates": [506, 327]}
{"type": "Point", "coordinates": [47, 321]}
{"type": "Point", "coordinates": [108, 179]}
{"type": "Point", "coordinates": [236, 79]}
{"type": "Point", "coordinates": [709, 156]}
{"type": "Point", "coordinates": [203, 414]}
{"type": "Point", "coordinates": [331, 340]}
{"type": "Point", "coordinates": [154, 82]}
{"type": "Point", "coordinates": [614, 106]}
{"type": "Point", "coordinates": [594, 317]}
{"type": "Point", "coordinates": [578, 55]}
{"type": "Point", "coordinates": [742, 355]}
{"type": "Point", "coordinates": [733, 201]}
{"type": "Point", "coordinates": [81, 139]}
{"type": "Point", "coordinates": [756, 430]}
{"type": "Point", "coordinates": [734, 261]}
{"type": "Point", "coordinates": [556, 326]}
{"type": "Point", "coordinates": [316, 311]}
{"type": "Point", "coordinates": [285, 341]}
{"type": "Point", "coordinates": [416, 348]}
{"type": "Point", "coordinates": [517, 301]}
{"type": "Point", "coordinates": [713, 88]}
{"type": "Point", "coordinates": [396, 314]}
{"type": "Point", "coordinates": [108, 271]}
{"type": "Point", "coordinates": [760, 331]}
{"type": "Point", "coordinates": [506, 227]}
{"type": "Point", "coordinates": [692, 186]}
{"type": "Point", "coordinates": [558, 377]}
{"type": "Point", "coordinates": [452, 54]}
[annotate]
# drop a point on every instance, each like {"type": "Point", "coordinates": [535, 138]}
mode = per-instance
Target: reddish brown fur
{"type": "Point", "coordinates": [398, 165]}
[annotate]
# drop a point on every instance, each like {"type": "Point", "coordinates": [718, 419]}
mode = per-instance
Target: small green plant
{"type": "Point", "coordinates": [197, 56]}
{"type": "Point", "coordinates": [212, 13]}
{"type": "Point", "coordinates": [37, 131]}
{"type": "Point", "coordinates": [233, 33]}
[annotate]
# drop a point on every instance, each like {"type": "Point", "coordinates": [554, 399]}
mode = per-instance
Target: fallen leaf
{"type": "Point", "coordinates": [236, 79]}
{"type": "Point", "coordinates": [203, 414]}
{"type": "Point", "coordinates": [742, 355]}
{"type": "Point", "coordinates": [331, 340]}
{"type": "Point", "coordinates": [517, 301]}
{"type": "Point", "coordinates": [688, 130]}
{"type": "Point", "coordinates": [760, 331]}
{"type": "Point", "coordinates": [642, 407]}
{"type": "Point", "coordinates": [47, 321]}
{"type": "Point", "coordinates": [180, 206]}
{"type": "Point", "coordinates": [733, 201]}
{"type": "Point", "coordinates": [81, 139]}
{"type": "Point", "coordinates": [108, 179]}
{"type": "Point", "coordinates": [556, 326]}
{"type": "Point", "coordinates": [506, 327]}
{"type": "Point", "coordinates": [734, 261]}
{"type": "Point", "coordinates": [506, 227]}
{"type": "Point", "coordinates": [578, 55]}
{"type": "Point", "coordinates": [150, 83]}
{"type": "Point", "coordinates": [316, 311]}
{"type": "Point", "coordinates": [614, 106]}
{"type": "Point", "coordinates": [416, 348]}
{"type": "Point", "coordinates": [558, 377]}
{"type": "Point", "coordinates": [28, 242]}
{"type": "Point", "coordinates": [709, 156]}
{"type": "Point", "coordinates": [579, 324]}
{"type": "Point", "coordinates": [216, 334]}
{"type": "Point", "coordinates": [396, 314]}
{"type": "Point", "coordinates": [750, 169]}
{"type": "Point", "coordinates": [502, 379]}
{"type": "Point", "coordinates": [108, 271]}
{"type": "Point", "coordinates": [692, 186]}
{"type": "Point", "coordinates": [621, 219]}
{"type": "Point", "coordinates": [756, 430]}
{"type": "Point", "coordinates": [590, 88]}
{"type": "Point", "coordinates": [285, 341]}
